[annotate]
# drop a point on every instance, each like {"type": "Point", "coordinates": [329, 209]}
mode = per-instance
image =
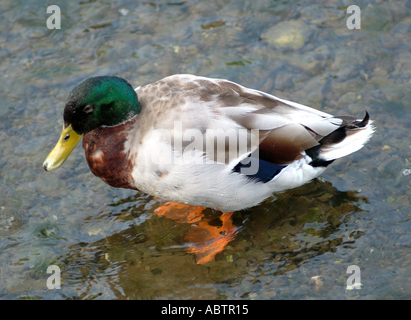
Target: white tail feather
{"type": "Point", "coordinates": [353, 142]}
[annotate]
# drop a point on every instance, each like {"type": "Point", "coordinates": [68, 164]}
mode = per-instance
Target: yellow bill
{"type": "Point", "coordinates": [68, 141]}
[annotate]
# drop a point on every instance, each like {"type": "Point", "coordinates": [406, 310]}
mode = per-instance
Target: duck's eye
{"type": "Point", "coordinates": [66, 137]}
{"type": "Point", "coordinates": [88, 109]}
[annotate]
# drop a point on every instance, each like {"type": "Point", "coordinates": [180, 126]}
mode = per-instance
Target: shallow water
{"type": "Point", "coordinates": [110, 244]}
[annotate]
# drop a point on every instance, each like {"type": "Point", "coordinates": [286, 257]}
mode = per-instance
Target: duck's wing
{"type": "Point", "coordinates": [232, 122]}
{"type": "Point", "coordinates": [290, 128]}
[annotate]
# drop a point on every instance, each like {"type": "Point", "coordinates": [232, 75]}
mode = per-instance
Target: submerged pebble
{"type": "Point", "coordinates": [287, 35]}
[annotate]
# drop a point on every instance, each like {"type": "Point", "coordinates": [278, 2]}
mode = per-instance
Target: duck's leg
{"type": "Point", "coordinates": [208, 240]}
{"type": "Point", "coordinates": [181, 213]}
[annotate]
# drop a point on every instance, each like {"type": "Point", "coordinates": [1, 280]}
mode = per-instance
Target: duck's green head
{"type": "Point", "coordinates": [96, 102]}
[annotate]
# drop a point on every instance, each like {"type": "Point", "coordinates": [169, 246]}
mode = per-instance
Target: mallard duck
{"type": "Point", "coordinates": [201, 141]}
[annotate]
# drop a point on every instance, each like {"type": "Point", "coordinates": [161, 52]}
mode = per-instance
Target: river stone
{"type": "Point", "coordinates": [288, 35]}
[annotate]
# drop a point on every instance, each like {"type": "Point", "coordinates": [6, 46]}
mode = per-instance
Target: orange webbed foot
{"type": "Point", "coordinates": [206, 240]}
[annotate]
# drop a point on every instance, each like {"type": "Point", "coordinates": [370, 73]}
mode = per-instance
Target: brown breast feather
{"type": "Point", "coordinates": [106, 156]}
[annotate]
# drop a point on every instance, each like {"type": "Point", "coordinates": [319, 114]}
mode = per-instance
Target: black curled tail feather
{"type": "Point", "coordinates": [349, 125]}
{"type": "Point", "coordinates": [364, 122]}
